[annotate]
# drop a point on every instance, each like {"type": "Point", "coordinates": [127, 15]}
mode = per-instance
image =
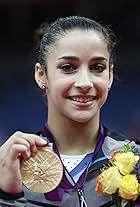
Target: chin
{"type": "Point", "coordinates": [82, 119]}
{"type": "Point", "coordinates": [86, 117]}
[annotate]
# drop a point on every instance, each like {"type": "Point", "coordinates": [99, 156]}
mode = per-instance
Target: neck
{"type": "Point", "coordinates": [73, 138]}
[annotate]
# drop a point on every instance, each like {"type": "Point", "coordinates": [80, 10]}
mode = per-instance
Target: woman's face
{"type": "Point", "coordinates": [78, 76]}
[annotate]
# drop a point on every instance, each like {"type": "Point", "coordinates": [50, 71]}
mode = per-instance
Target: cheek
{"type": "Point", "coordinates": [102, 87]}
{"type": "Point", "coordinates": [102, 94]}
{"type": "Point", "coordinates": [59, 89]}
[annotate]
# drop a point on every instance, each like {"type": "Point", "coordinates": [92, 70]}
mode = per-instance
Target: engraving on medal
{"type": "Point", "coordinates": [42, 173]}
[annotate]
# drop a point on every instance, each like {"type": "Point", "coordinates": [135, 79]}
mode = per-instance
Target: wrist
{"type": "Point", "coordinates": [10, 196]}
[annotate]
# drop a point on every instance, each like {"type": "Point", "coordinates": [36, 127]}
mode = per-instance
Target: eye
{"type": "Point", "coordinates": [68, 68]}
{"type": "Point", "coordinates": [99, 68]}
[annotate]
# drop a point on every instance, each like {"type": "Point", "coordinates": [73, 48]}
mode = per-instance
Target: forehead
{"type": "Point", "coordinates": [82, 42]}
{"type": "Point", "coordinates": [89, 34]}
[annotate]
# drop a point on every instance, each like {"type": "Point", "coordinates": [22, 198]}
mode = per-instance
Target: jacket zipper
{"type": "Point", "coordinates": [80, 192]}
{"type": "Point", "coordinates": [81, 198]}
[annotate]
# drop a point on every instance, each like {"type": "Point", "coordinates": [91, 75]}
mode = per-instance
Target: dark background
{"type": "Point", "coordinates": [21, 102]}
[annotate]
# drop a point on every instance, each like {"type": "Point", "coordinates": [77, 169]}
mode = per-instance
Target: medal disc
{"type": "Point", "coordinates": [42, 173]}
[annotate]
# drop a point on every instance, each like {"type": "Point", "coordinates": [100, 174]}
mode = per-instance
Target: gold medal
{"type": "Point", "coordinates": [42, 173]}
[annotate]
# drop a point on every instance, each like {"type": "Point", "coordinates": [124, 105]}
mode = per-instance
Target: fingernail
{"type": "Point", "coordinates": [50, 145]}
{"type": "Point", "coordinates": [43, 141]}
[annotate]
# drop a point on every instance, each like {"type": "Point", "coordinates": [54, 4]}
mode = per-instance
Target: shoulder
{"type": "Point", "coordinates": [115, 141]}
{"type": "Point", "coordinates": [118, 136]}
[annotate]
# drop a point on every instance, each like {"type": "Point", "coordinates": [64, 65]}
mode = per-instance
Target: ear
{"type": "Point", "coordinates": [110, 76]}
{"type": "Point", "coordinates": [40, 76]}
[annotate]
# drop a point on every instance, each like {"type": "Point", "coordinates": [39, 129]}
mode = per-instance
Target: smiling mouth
{"type": "Point", "coordinates": [82, 99]}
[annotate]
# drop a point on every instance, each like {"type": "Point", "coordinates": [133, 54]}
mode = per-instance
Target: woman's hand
{"type": "Point", "coordinates": [18, 146]}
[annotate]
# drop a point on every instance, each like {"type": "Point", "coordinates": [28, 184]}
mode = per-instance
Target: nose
{"type": "Point", "coordinates": [83, 81]}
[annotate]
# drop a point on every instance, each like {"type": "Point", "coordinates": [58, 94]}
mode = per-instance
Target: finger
{"type": "Point", "coordinates": [34, 139]}
{"type": "Point", "coordinates": [19, 150]}
{"type": "Point", "coordinates": [29, 143]}
{"type": "Point", "coordinates": [22, 141]}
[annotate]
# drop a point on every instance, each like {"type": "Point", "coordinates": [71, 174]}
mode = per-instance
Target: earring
{"type": "Point", "coordinates": [43, 87]}
{"type": "Point", "coordinates": [108, 88]}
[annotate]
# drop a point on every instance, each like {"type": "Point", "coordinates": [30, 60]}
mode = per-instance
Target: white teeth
{"type": "Point", "coordinates": [82, 99]}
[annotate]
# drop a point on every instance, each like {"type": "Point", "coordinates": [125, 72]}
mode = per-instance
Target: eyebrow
{"type": "Point", "coordinates": [68, 57]}
{"type": "Point", "coordinates": [96, 58]}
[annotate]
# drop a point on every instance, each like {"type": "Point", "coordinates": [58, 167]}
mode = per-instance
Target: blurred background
{"type": "Point", "coordinates": [21, 102]}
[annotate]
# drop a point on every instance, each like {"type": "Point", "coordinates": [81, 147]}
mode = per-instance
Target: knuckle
{"type": "Point", "coordinates": [17, 133]}
{"type": "Point", "coordinates": [14, 148]}
{"type": "Point", "coordinates": [32, 142]}
{"type": "Point", "coordinates": [26, 155]}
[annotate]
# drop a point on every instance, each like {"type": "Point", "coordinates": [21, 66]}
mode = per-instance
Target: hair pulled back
{"type": "Point", "coordinates": [56, 30]}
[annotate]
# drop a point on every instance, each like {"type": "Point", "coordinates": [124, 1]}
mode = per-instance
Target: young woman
{"type": "Point", "coordinates": [75, 71]}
